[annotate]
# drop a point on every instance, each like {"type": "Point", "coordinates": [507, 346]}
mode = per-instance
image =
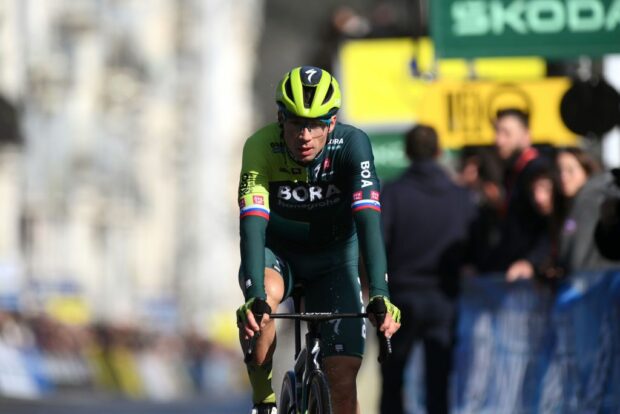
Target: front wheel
{"type": "Point", "coordinates": [319, 400]}
{"type": "Point", "coordinates": [288, 401]}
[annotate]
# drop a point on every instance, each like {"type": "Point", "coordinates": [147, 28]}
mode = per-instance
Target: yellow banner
{"type": "Point", "coordinates": [384, 80]}
{"type": "Point", "coordinates": [389, 82]}
{"type": "Point", "coordinates": [462, 111]}
{"type": "Point", "coordinates": [377, 85]}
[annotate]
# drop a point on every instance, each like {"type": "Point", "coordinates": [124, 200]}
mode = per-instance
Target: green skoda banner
{"type": "Point", "coordinates": [549, 28]}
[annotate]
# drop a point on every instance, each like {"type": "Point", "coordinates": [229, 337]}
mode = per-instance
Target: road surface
{"type": "Point", "coordinates": [103, 405]}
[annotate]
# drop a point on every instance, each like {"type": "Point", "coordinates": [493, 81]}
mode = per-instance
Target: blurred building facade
{"type": "Point", "coordinates": [123, 193]}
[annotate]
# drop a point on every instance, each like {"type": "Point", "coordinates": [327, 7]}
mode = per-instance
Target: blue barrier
{"type": "Point", "coordinates": [523, 348]}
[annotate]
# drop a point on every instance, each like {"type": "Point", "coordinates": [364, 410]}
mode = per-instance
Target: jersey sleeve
{"type": "Point", "coordinates": [366, 208]}
{"type": "Point", "coordinates": [254, 216]}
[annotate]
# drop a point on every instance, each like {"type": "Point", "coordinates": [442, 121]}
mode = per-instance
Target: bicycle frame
{"type": "Point", "coordinates": [307, 380]}
{"type": "Point", "coordinates": [308, 359]}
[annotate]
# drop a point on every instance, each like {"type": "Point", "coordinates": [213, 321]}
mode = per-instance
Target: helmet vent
{"type": "Point", "coordinates": [329, 93]}
{"type": "Point", "coordinates": [308, 96]}
{"type": "Point", "coordinates": [288, 89]}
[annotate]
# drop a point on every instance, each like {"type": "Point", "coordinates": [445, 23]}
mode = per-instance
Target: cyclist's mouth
{"type": "Point", "coordinates": [304, 152]}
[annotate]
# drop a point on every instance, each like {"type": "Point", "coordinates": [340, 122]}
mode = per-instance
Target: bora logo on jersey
{"type": "Point", "coordinates": [307, 193]}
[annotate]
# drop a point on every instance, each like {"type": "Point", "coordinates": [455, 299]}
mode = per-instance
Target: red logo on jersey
{"type": "Point", "coordinates": [242, 203]}
{"type": "Point", "coordinates": [258, 199]}
{"type": "Point", "coordinates": [357, 196]}
{"type": "Point", "coordinates": [374, 195]}
{"type": "Point", "coordinates": [327, 163]}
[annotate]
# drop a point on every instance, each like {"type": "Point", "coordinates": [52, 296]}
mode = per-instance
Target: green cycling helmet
{"type": "Point", "coordinates": [308, 92]}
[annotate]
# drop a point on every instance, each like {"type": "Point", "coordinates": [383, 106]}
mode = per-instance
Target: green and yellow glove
{"type": "Point", "coordinates": [256, 305]}
{"type": "Point", "coordinates": [381, 304]}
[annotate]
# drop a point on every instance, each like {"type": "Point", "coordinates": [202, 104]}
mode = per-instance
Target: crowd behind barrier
{"type": "Point", "coordinates": [40, 356]}
{"type": "Point", "coordinates": [525, 347]}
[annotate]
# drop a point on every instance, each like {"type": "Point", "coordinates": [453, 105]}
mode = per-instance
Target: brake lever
{"type": "Point", "coordinates": [259, 308]}
{"type": "Point", "coordinates": [385, 343]}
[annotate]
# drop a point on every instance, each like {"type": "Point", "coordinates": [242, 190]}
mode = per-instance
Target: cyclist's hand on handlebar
{"type": "Point", "coordinates": [382, 305]}
{"type": "Point", "coordinates": [249, 312]}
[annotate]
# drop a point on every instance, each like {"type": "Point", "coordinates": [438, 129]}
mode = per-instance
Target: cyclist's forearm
{"type": "Point", "coordinates": [368, 224]}
{"type": "Point", "coordinates": [252, 232]}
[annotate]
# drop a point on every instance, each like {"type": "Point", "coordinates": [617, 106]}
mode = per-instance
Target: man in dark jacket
{"type": "Point", "coordinates": [425, 221]}
{"type": "Point", "coordinates": [524, 243]}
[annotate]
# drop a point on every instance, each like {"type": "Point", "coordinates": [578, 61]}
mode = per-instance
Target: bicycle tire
{"type": "Point", "coordinates": [288, 400]}
{"type": "Point", "coordinates": [319, 399]}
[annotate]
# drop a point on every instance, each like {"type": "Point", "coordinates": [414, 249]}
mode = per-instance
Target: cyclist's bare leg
{"type": "Point", "coordinates": [259, 369]}
{"type": "Point", "coordinates": [342, 374]}
{"type": "Point", "coordinates": [266, 342]}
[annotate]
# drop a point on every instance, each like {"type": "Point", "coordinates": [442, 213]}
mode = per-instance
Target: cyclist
{"type": "Point", "coordinates": [309, 199]}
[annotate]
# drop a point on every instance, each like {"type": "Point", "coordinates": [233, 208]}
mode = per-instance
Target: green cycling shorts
{"type": "Point", "coordinates": [330, 280]}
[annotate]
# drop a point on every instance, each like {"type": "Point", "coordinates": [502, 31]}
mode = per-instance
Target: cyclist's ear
{"type": "Point", "coordinates": [332, 123]}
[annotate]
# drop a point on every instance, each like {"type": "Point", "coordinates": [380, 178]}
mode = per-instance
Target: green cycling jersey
{"type": "Point", "coordinates": [309, 208]}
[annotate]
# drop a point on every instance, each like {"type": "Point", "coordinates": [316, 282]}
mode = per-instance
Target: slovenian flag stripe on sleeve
{"type": "Point", "coordinates": [255, 210]}
{"type": "Point", "coordinates": [363, 204]}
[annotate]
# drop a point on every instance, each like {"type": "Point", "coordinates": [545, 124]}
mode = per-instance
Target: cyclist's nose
{"type": "Point", "coordinates": [304, 133]}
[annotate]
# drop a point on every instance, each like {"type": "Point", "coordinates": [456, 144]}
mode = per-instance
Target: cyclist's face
{"type": "Point", "coordinates": [305, 137]}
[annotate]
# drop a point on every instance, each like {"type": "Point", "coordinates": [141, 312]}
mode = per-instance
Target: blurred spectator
{"type": "Point", "coordinates": [384, 21]}
{"type": "Point", "coordinates": [584, 189]}
{"type": "Point", "coordinates": [100, 353]}
{"type": "Point", "coordinates": [14, 332]}
{"type": "Point", "coordinates": [549, 202]}
{"type": "Point", "coordinates": [480, 172]}
{"type": "Point", "coordinates": [195, 354]}
{"type": "Point", "coordinates": [524, 241]}
{"type": "Point", "coordinates": [607, 233]}
{"type": "Point", "coordinates": [345, 23]}
{"type": "Point", "coordinates": [161, 368]}
{"type": "Point", "coordinates": [542, 190]}
{"type": "Point", "coordinates": [426, 219]}
{"type": "Point", "coordinates": [121, 360]}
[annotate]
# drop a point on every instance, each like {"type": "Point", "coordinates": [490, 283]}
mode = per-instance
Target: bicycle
{"type": "Point", "coordinates": [305, 388]}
